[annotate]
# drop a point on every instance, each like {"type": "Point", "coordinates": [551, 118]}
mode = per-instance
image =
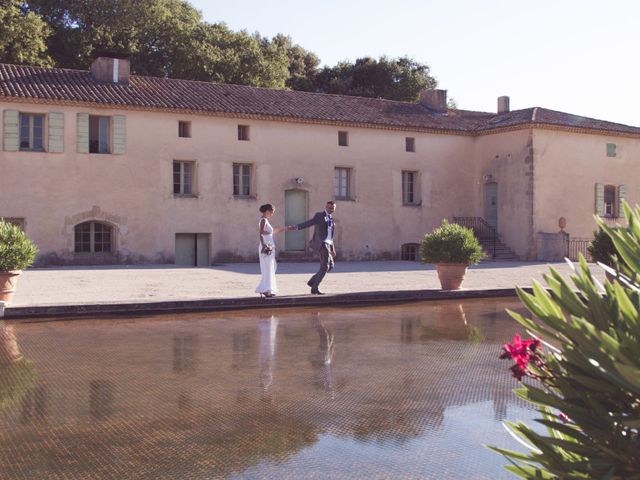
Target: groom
{"type": "Point", "coordinates": [321, 242]}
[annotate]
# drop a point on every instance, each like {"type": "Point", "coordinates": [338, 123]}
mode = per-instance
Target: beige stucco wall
{"type": "Point", "coordinates": [55, 192]}
{"type": "Point", "coordinates": [568, 165]}
{"type": "Point", "coordinates": [506, 157]}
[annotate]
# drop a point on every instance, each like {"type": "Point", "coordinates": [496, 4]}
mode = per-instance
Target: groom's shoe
{"type": "Point", "coordinates": [315, 291]}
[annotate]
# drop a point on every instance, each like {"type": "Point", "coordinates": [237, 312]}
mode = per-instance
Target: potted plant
{"type": "Point", "coordinates": [603, 250]}
{"type": "Point", "coordinates": [452, 248]}
{"type": "Point", "coordinates": [17, 252]}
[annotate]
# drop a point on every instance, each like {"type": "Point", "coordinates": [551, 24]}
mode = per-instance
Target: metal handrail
{"type": "Point", "coordinates": [481, 229]}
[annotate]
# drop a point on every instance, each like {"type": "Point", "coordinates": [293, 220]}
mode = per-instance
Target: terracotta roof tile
{"type": "Point", "coordinates": [61, 85]}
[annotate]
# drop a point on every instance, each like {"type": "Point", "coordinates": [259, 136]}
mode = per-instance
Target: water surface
{"type": "Point", "coordinates": [405, 391]}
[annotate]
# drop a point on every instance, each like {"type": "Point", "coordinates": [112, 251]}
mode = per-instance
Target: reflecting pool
{"type": "Point", "coordinates": [404, 391]}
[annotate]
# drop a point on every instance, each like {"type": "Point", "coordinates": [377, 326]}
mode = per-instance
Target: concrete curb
{"type": "Point", "coordinates": [185, 306]}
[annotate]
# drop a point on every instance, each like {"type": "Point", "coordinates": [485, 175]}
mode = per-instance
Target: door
{"type": "Point", "coordinates": [192, 249]}
{"type": "Point", "coordinates": [491, 204]}
{"type": "Point", "coordinates": [295, 211]}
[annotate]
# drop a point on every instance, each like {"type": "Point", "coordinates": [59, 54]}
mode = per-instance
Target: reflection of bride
{"type": "Point", "coordinates": [267, 328]}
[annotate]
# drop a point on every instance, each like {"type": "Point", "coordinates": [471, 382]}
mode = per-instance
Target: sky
{"type": "Point", "coordinates": [580, 57]}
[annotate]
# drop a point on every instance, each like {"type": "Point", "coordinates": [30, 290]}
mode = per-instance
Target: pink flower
{"type": "Point", "coordinates": [522, 352]}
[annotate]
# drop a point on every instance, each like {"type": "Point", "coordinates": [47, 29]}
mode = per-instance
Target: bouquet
{"type": "Point", "coordinates": [267, 249]}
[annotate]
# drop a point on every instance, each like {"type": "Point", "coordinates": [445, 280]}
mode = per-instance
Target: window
{"type": "Point", "coordinates": [243, 132]}
{"type": "Point", "coordinates": [93, 237]}
{"type": "Point", "coordinates": [409, 252]}
{"type": "Point", "coordinates": [342, 183]}
{"type": "Point", "coordinates": [343, 139]}
{"type": "Point", "coordinates": [183, 177]}
{"type": "Point", "coordinates": [241, 179]}
{"type": "Point", "coordinates": [184, 129]}
{"type": "Point", "coordinates": [99, 134]}
{"type": "Point", "coordinates": [410, 144]}
{"type": "Point", "coordinates": [611, 149]}
{"type": "Point", "coordinates": [410, 194]}
{"type": "Point", "coordinates": [31, 126]}
{"type": "Point", "coordinates": [610, 201]}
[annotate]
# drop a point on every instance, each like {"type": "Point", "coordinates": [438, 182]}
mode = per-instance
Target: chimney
{"type": "Point", "coordinates": [503, 105]}
{"type": "Point", "coordinates": [434, 100]}
{"type": "Point", "coordinates": [110, 70]}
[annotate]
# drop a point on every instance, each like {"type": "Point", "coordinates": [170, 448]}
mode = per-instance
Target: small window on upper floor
{"type": "Point", "coordinates": [31, 128]}
{"type": "Point", "coordinates": [243, 132]}
{"type": "Point", "coordinates": [184, 129]}
{"type": "Point", "coordinates": [611, 149]}
{"type": "Point", "coordinates": [343, 139]}
{"type": "Point", "coordinates": [410, 144]}
{"type": "Point", "coordinates": [99, 134]}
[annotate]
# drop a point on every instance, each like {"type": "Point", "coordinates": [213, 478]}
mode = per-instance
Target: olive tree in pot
{"type": "Point", "coordinates": [17, 252]}
{"type": "Point", "coordinates": [452, 248]}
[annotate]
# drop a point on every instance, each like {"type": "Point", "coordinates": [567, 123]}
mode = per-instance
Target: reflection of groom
{"type": "Point", "coordinates": [322, 242]}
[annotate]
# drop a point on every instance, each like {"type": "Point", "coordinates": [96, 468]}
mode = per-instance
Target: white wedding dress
{"type": "Point", "coordinates": [267, 262]}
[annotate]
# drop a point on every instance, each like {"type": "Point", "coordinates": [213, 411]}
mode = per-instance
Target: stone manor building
{"type": "Point", "coordinates": [101, 166]}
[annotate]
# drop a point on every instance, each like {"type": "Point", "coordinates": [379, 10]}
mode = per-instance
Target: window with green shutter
{"type": "Point", "coordinates": [56, 132]}
{"type": "Point", "coordinates": [611, 149]}
{"type": "Point", "coordinates": [11, 130]}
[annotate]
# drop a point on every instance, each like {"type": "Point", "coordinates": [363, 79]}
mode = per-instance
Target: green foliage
{"type": "Point", "coordinates": [451, 243]}
{"type": "Point", "coordinates": [169, 38]}
{"type": "Point", "coordinates": [22, 35]}
{"type": "Point", "coordinates": [594, 377]}
{"type": "Point", "coordinates": [17, 252]}
{"type": "Point", "coordinates": [601, 248]}
{"type": "Point", "coordinates": [392, 78]}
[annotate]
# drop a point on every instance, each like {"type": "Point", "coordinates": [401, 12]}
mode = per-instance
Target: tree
{"type": "Point", "coordinates": [303, 64]}
{"type": "Point", "coordinates": [394, 79]}
{"type": "Point", "coordinates": [22, 35]}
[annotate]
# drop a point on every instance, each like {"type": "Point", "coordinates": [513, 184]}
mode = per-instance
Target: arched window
{"type": "Point", "coordinates": [93, 237]}
{"type": "Point", "coordinates": [410, 252]}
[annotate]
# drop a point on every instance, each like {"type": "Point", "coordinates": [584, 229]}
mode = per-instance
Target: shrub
{"type": "Point", "coordinates": [17, 252]}
{"type": "Point", "coordinates": [451, 243]}
{"type": "Point", "coordinates": [601, 248]}
{"type": "Point", "coordinates": [587, 390]}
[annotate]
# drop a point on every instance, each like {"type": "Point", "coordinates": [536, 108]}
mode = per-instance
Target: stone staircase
{"type": "Point", "coordinates": [495, 250]}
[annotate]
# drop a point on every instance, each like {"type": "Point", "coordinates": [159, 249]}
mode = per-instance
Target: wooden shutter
{"type": "Point", "coordinates": [11, 141]}
{"type": "Point", "coordinates": [56, 132]}
{"type": "Point", "coordinates": [600, 199]}
{"type": "Point", "coordinates": [622, 195]}
{"type": "Point", "coordinates": [119, 134]}
{"type": "Point", "coordinates": [83, 133]}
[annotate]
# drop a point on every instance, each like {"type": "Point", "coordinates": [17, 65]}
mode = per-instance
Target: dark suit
{"type": "Point", "coordinates": [321, 221]}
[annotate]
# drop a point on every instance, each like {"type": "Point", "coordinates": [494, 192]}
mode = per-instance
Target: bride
{"type": "Point", "coordinates": [267, 253]}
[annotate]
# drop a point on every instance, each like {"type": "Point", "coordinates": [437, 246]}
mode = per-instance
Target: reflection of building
{"type": "Point", "coordinates": [128, 403]}
{"type": "Point", "coordinates": [186, 156]}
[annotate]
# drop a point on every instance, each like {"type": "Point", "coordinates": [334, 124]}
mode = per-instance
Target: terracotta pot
{"type": "Point", "coordinates": [451, 275]}
{"type": "Point", "coordinates": [8, 282]}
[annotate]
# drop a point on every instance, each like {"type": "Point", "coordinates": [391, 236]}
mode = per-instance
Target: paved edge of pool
{"type": "Point", "coordinates": [52, 312]}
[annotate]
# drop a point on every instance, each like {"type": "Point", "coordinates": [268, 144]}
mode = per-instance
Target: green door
{"type": "Point", "coordinates": [295, 211]}
{"type": "Point", "coordinates": [491, 204]}
{"type": "Point", "coordinates": [192, 249]}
